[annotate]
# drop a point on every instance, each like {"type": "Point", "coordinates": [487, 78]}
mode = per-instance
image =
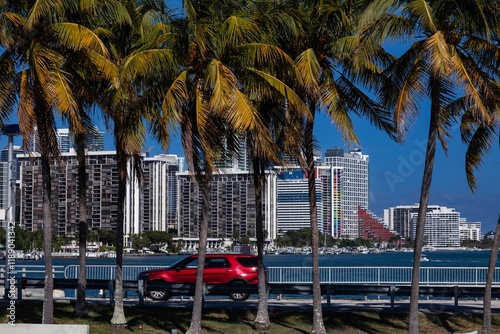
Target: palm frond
{"type": "Point", "coordinates": [146, 63]}
{"type": "Point", "coordinates": [479, 145]}
{"type": "Point", "coordinates": [237, 30]}
{"type": "Point", "coordinates": [424, 13]}
{"type": "Point", "coordinates": [76, 37]}
{"type": "Point", "coordinates": [308, 68]}
{"type": "Point", "coordinates": [439, 54]}
{"type": "Point", "coordinates": [221, 83]}
{"type": "Point", "coordinates": [293, 100]}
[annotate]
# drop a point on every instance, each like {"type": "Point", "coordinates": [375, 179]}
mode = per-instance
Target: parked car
{"type": "Point", "coordinates": [224, 268]}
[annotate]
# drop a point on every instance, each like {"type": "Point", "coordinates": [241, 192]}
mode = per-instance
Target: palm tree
{"type": "Point", "coordinates": [479, 138]}
{"type": "Point", "coordinates": [489, 281]}
{"type": "Point", "coordinates": [36, 38]}
{"type": "Point", "coordinates": [211, 96]}
{"type": "Point", "coordinates": [447, 61]}
{"type": "Point", "coordinates": [141, 59]}
{"type": "Point", "coordinates": [138, 61]}
{"type": "Point", "coordinates": [329, 77]}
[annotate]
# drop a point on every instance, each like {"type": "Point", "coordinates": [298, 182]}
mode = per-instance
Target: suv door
{"type": "Point", "coordinates": [217, 270]}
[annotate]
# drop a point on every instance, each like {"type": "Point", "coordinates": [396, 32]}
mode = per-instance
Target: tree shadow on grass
{"type": "Point", "coordinates": [364, 322]}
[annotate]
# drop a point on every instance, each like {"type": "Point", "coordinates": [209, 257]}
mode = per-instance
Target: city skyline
{"type": "Point", "coordinates": [396, 169]}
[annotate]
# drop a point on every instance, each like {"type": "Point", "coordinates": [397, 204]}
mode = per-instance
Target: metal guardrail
{"type": "Point", "coordinates": [107, 272]}
{"type": "Point", "coordinates": [29, 270]}
{"type": "Point", "coordinates": [461, 276]}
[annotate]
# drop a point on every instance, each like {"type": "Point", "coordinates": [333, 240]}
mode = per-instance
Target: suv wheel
{"type": "Point", "coordinates": [238, 296]}
{"type": "Point", "coordinates": [159, 295]}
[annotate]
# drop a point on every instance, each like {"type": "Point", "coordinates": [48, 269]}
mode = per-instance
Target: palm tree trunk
{"type": "Point", "coordinates": [81, 307]}
{"type": "Point", "coordinates": [422, 211]}
{"type": "Point", "coordinates": [261, 322]}
{"type": "Point", "coordinates": [489, 281]}
{"type": "Point", "coordinates": [48, 295]}
{"type": "Point", "coordinates": [318, 325]}
{"type": "Point", "coordinates": [118, 320]}
{"type": "Point", "coordinates": [195, 327]}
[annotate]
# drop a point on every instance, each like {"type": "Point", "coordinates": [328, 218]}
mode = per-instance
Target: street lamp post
{"type": "Point", "coordinates": [9, 130]}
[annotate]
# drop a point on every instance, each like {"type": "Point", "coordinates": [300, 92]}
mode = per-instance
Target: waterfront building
{"type": "Point", "coordinates": [4, 183]}
{"type": "Point", "coordinates": [293, 209]}
{"type": "Point", "coordinates": [232, 205]}
{"type": "Point", "coordinates": [370, 228]}
{"type": "Point", "coordinates": [102, 194]}
{"type": "Point", "coordinates": [398, 218]}
{"type": "Point", "coordinates": [354, 187]}
{"type": "Point", "coordinates": [470, 231]}
{"type": "Point", "coordinates": [442, 227]}
{"type": "Point", "coordinates": [160, 193]}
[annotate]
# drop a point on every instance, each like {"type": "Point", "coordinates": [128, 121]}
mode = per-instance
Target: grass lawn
{"type": "Point", "coordinates": [238, 321]}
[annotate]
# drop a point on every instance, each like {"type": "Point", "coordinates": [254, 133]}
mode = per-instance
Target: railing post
{"type": "Point", "coordinates": [140, 287]}
{"type": "Point", "coordinates": [328, 295]}
{"type": "Point", "coordinates": [19, 288]}
{"type": "Point", "coordinates": [111, 288]}
{"type": "Point", "coordinates": [392, 293]}
{"type": "Point", "coordinates": [203, 295]}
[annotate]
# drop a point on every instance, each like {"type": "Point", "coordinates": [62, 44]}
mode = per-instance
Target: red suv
{"type": "Point", "coordinates": [225, 268]}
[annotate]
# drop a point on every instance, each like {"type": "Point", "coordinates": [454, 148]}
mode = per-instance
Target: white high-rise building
{"type": "Point", "coordinates": [442, 227]}
{"type": "Point", "coordinates": [160, 193]}
{"type": "Point", "coordinates": [398, 218]}
{"type": "Point", "coordinates": [292, 204]}
{"type": "Point", "coordinates": [64, 140]}
{"type": "Point", "coordinates": [470, 231]}
{"type": "Point", "coordinates": [354, 186]}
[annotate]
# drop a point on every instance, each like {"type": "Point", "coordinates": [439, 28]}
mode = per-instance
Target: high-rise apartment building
{"type": "Point", "coordinates": [470, 231]}
{"type": "Point", "coordinates": [235, 159]}
{"type": "Point", "coordinates": [442, 227]}
{"type": "Point", "coordinates": [232, 205]}
{"type": "Point", "coordinates": [293, 209]}
{"type": "Point", "coordinates": [4, 171]}
{"type": "Point", "coordinates": [102, 194]}
{"type": "Point", "coordinates": [398, 218]}
{"type": "Point", "coordinates": [354, 187]}
{"type": "Point", "coordinates": [64, 140]}
{"type": "Point", "coordinates": [160, 193]}
{"type": "Point", "coordinates": [94, 141]}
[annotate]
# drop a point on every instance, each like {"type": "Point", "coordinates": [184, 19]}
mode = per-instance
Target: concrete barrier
{"type": "Point", "coordinates": [44, 329]}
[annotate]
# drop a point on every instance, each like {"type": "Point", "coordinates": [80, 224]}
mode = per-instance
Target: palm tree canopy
{"type": "Point", "coordinates": [450, 44]}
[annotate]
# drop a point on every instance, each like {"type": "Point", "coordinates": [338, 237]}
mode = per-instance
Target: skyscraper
{"type": "Point", "coordinates": [354, 186]}
{"type": "Point", "coordinates": [101, 196]}
{"type": "Point", "coordinates": [64, 140]}
{"type": "Point", "coordinates": [232, 205]}
{"type": "Point", "coordinates": [399, 217]}
{"type": "Point", "coordinates": [160, 193]}
{"type": "Point", "coordinates": [442, 227]}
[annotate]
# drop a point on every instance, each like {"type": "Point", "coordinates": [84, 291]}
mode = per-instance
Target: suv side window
{"type": "Point", "coordinates": [216, 262]}
{"type": "Point", "coordinates": [248, 261]}
{"type": "Point", "coordinates": [192, 264]}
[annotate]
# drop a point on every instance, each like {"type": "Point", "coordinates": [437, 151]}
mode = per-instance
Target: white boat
{"type": "Point", "coordinates": [423, 258]}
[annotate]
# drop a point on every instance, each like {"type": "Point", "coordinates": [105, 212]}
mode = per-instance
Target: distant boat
{"type": "Point", "coordinates": [423, 258]}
